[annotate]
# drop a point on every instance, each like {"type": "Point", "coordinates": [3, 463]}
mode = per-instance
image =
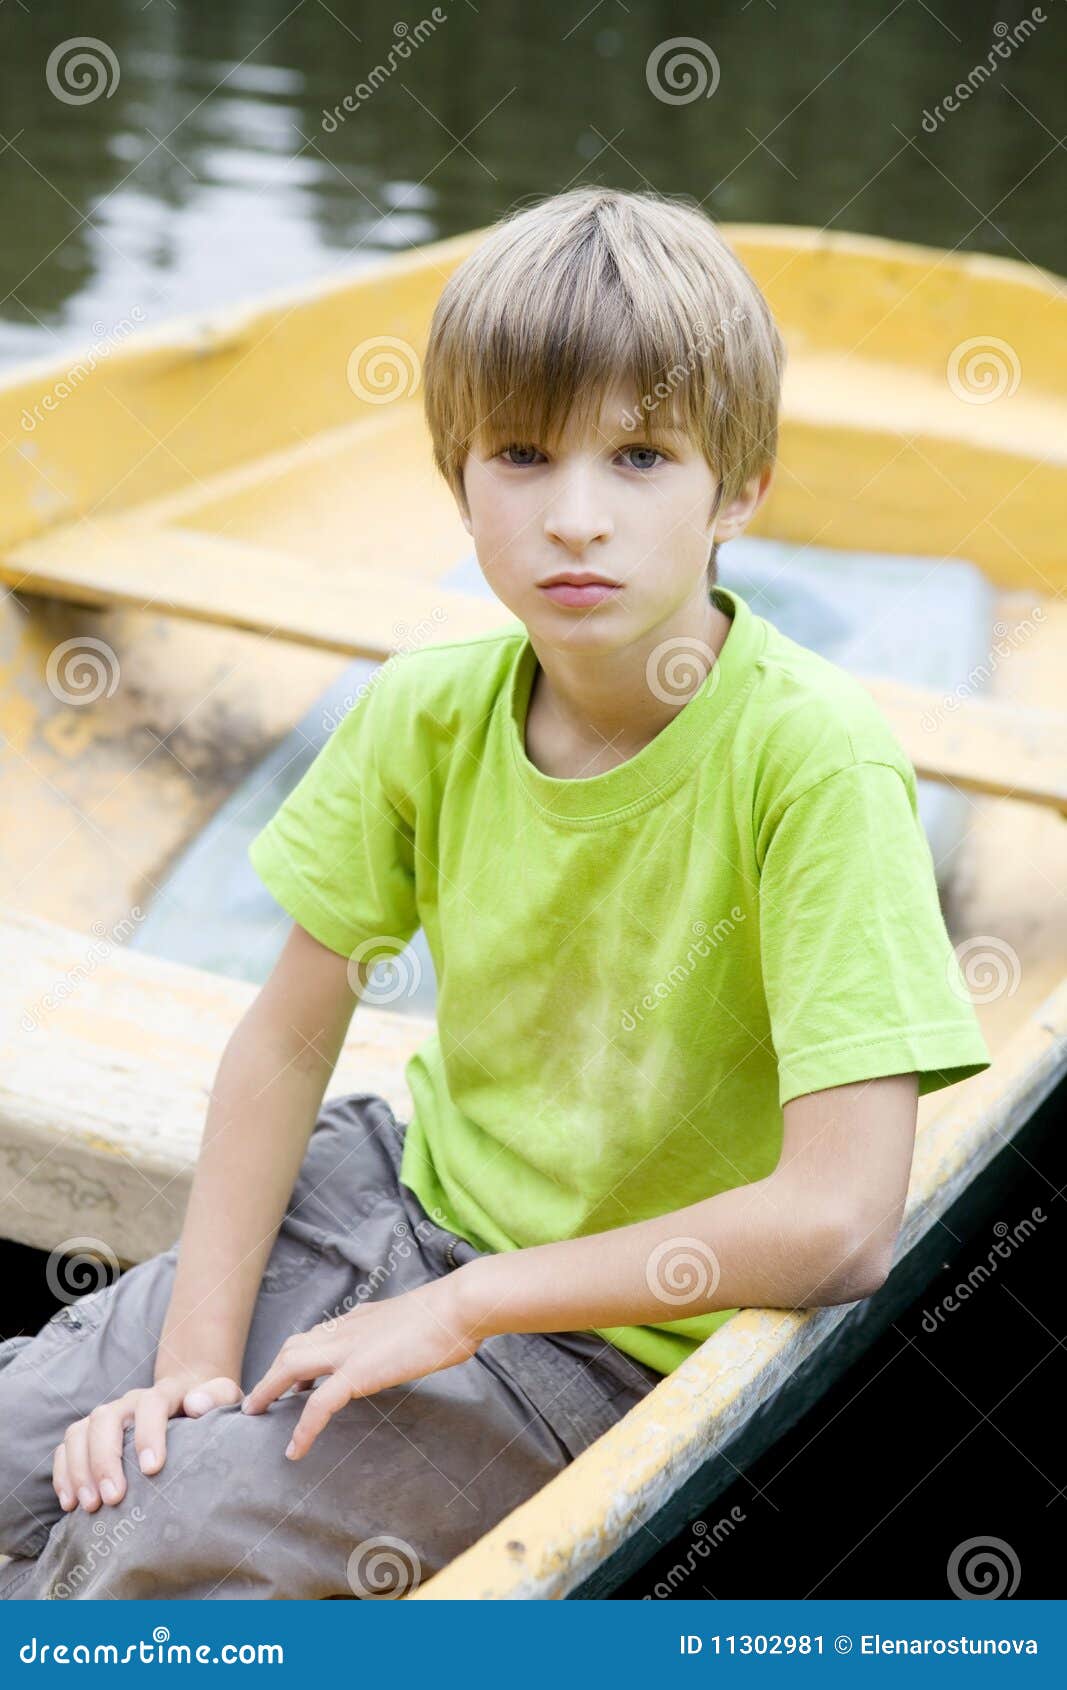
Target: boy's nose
{"type": "Point", "coordinates": [577, 516]}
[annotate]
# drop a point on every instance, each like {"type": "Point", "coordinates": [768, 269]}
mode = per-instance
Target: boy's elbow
{"type": "Point", "coordinates": [854, 1263]}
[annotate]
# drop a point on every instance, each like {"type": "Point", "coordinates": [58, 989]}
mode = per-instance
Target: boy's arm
{"type": "Point", "coordinates": [268, 1089]}
{"type": "Point", "coordinates": [819, 1229]}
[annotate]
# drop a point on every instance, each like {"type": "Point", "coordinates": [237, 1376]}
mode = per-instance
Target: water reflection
{"type": "Point", "coordinates": [214, 170]}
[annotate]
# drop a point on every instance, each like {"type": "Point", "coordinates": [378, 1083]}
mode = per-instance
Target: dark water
{"type": "Point", "coordinates": [203, 173]}
{"type": "Point", "coordinates": [207, 176]}
{"type": "Point", "coordinates": [950, 1428]}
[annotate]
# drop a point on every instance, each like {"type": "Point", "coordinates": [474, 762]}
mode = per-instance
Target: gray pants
{"type": "Point", "coordinates": [398, 1483]}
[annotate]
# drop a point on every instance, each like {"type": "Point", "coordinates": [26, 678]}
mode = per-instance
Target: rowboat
{"type": "Point", "coordinates": [204, 526]}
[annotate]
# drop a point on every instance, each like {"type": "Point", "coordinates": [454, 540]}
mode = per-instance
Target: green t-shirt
{"type": "Point", "coordinates": [637, 970]}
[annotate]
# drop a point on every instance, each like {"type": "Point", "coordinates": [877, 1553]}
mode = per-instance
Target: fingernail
{"type": "Point", "coordinates": [109, 1490]}
{"type": "Point", "coordinates": [198, 1401]}
{"type": "Point", "coordinates": [290, 1449]}
{"type": "Point", "coordinates": [64, 1499]}
{"type": "Point", "coordinates": [86, 1497]}
{"type": "Point", "coordinates": [147, 1459]}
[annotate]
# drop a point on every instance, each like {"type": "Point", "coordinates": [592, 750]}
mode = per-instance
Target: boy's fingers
{"type": "Point", "coordinates": [150, 1431]}
{"type": "Point", "coordinates": [283, 1372]}
{"type": "Point", "coordinates": [61, 1479]}
{"type": "Point", "coordinates": [319, 1410]}
{"type": "Point", "coordinates": [105, 1450]}
{"type": "Point", "coordinates": [271, 1386]}
{"type": "Point", "coordinates": [76, 1440]}
{"type": "Point", "coordinates": [211, 1394]}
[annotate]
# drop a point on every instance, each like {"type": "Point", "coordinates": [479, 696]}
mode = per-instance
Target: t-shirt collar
{"type": "Point", "coordinates": [648, 777]}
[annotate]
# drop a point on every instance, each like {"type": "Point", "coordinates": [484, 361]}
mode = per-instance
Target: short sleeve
{"type": "Point", "coordinates": [860, 976]}
{"type": "Point", "coordinates": [339, 853]}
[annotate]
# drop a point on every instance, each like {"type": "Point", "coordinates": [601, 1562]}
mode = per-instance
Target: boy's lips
{"type": "Point", "coordinates": [565, 594]}
{"type": "Point", "coordinates": [579, 588]}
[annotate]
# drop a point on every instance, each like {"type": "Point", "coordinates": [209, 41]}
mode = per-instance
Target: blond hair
{"type": "Point", "coordinates": [589, 287]}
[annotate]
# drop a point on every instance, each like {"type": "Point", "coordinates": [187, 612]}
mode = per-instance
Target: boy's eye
{"type": "Point", "coordinates": [647, 452]}
{"type": "Point", "coordinates": [650, 454]}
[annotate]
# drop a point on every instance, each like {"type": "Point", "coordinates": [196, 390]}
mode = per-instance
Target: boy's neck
{"type": "Point", "coordinates": [588, 713]}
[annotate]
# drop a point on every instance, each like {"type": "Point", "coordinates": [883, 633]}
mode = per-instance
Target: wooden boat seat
{"type": "Point", "coordinates": [109, 1056]}
{"type": "Point", "coordinates": [986, 747]}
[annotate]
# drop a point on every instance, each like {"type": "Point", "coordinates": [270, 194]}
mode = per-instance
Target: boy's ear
{"type": "Point", "coordinates": [734, 517]}
{"type": "Point", "coordinates": [460, 495]}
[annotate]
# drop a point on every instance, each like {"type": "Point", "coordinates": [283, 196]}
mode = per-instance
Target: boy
{"type": "Point", "coordinates": [692, 978]}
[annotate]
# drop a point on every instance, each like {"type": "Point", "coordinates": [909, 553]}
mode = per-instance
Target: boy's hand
{"type": "Point", "coordinates": [366, 1350]}
{"type": "Point", "coordinates": [87, 1465]}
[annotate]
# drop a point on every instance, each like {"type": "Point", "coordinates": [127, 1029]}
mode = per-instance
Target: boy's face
{"type": "Point", "coordinates": [605, 502]}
